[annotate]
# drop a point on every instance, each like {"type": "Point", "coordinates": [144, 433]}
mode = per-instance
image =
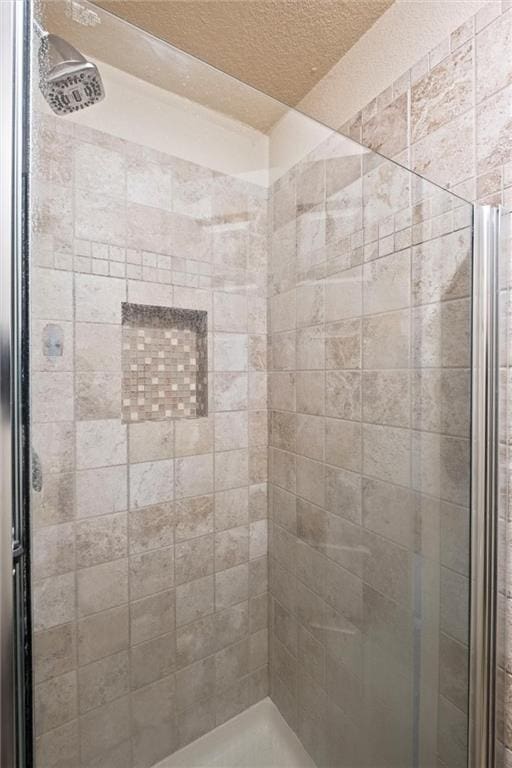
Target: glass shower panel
{"type": "Point", "coordinates": [369, 460]}
{"type": "Point", "coordinates": [225, 506]}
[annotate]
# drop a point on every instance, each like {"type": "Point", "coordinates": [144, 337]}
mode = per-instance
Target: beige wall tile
{"type": "Point", "coordinates": [101, 491]}
{"type": "Point", "coordinates": [194, 600]}
{"type": "Point", "coordinates": [102, 634]}
{"type": "Point", "coordinates": [193, 475]}
{"type": "Point", "coordinates": [152, 616]}
{"type": "Point", "coordinates": [151, 483]}
{"type": "Point", "coordinates": [151, 441]}
{"type": "Point", "coordinates": [55, 702]}
{"type": "Point", "coordinates": [102, 586]}
{"type": "Point", "coordinates": [152, 660]}
{"type": "Point", "coordinates": [104, 681]}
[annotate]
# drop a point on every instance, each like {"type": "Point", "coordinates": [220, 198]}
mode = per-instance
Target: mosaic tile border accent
{"type": "Point", "coordinates": [164, 361]}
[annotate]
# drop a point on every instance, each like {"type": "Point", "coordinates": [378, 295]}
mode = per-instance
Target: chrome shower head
{"type": "Point", "coordinates": [67, 80]}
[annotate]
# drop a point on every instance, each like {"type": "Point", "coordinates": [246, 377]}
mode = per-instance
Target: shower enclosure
{"type": "Point", "coordinates": [249, 447]}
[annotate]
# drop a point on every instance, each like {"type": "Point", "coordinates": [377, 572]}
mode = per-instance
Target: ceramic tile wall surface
{"type": "Point", "coordinates": [369, 401]}
{"type": "Point", "coordinates": [150, 539]}
{"type": "Point", "coordinates": [149, 536]}
{"type": "Point", "coordinates": [449, 119]}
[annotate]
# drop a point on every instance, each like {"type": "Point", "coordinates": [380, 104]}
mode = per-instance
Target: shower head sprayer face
{"type": "Point", "coordinates": [67, 80]}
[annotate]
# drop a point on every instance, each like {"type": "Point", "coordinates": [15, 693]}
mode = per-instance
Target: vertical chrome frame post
{"type": "Point", "coordinates": [14, 18]}
{"type": "Point", "coordinates": [484, 487]}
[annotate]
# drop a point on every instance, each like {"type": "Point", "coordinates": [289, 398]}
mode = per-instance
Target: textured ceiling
{"type": "Point", "coordinates": [281, 47]}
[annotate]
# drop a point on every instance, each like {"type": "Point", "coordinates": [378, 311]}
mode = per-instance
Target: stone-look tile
{"type": "Point", "coordinates": [230, 391]}
{"type": "Point", "coordinates": [54, 601]}
{"type": "Point", "coordinates": [103, 681]}
{"type": "Point", "coordinates": [388, 510]}
{"type": "Point", "coordinates": [151, 441]}
{"type": "Point", "coordinates": [152, 660]}
{"type": "Point", "coordinates": [443, 94]}
{"type": "Point", "coordinates": [343, 295]}
{"type": "Point", "coordinates": [97, 167]}
{"type": "Point", "coordinates": [231, 508]}
{"type": "Point", "coordinates": [102, 586]}
{"type": "Point", "coordinates": [98, 299]}
{"type": "Point", "coordinates": [151, 528]}
{"type": "Point", "coordinates": [258, 501]}
{"type": "Point", "coordinates": [387, 453]}
{"type": "Point", "coordinates": [231, 430]}
{"type": "Point", "coordinates": [55, 503]}
{"type": "Point", "coordinates": [195, 641]}
{"type": "Point", "coordinates": [441, 466]}
{"type": "Point", "coordinates": [344, 210]}
{"type": "Point", "coordinates": [386, 132]}
{"type": "Point", "coordinates": [343, 446]}
{"type": "Point", "coordinates": [100, 539]}
{"type": "Point", "coordinates": [194, 517]}
{"type": "Point", "coordinates": [343, 344]}
{"type": "Point", "coordinates": [494, 130]}
{"type": "Point", "coordinates": [230, 312]}
{"type": "Point", "coordinates": [231, 586]}
{"type": "Point", "coordinates": [441, 401]}
{"type": "Point", "coordinates": [453, 661]}
{"type": "Point", "coordinates": [386, 283]}
{"type": "Point", "coordinates": [445, 156]}
{"type": "Point", "coordinates": [195, 721]}
{"type": "Point", "coordinates": [309, 432]}
{"type": "Point", "coordinates": [93, 356]}
{"type": "Point", "coordinates": [98, 396]}
{"type": "Point", "coordinates": [231, 625]}
{"type": "Point", "coordinates": [102, 634]}
{"type": "Point", "coordinates": [151, 572]}
{"type": "Point", "coordinates": [151, 483]}
{"type": "Point", "coordinates": [195, 682]}
{"type": "Point", "coordinates": [193, 559]}
{"type": "Point", "coordinates": [493, 71]}
{"type": "Point", "coordinates": [55, 702]}
{"type": "Point", "coordinates": [311, 480]}
{"type": "Point", "coordinates": [52, 294]}
{"type": "Point", "coordinates": [386, 340]}
{"type": "Point", "coordinates": [385, 192]}
{"type": "Point", "coordinates": [149, 183]}
{"type": "Point", "coordinates": [101, 491]}
{"type": "Point", "coordinates": [193, 475]}
{"type": "Point", "coordinates": [230, 352]}
{"type": "Point", "coordinates": [440, 268]}
{"type": "Point", "coordinates": [343, 394]}
{"type": "Point", "coordinates": [152, 723]}
{"type": "Point", "coordinates": [432, 345]}
{"type": "Point", "coordinates": [152, 616]}
{"type": "Point", "coordinates": [310, 348]}
{"type": "Point", "coordinates": [54, 651]}
{"type": "Point", "coordinates": [54, 550]}
{"type": "Point", "coordinates": [52, 396]}
{"type": "Point", "coordinates": [386, 397]}
{"type": "Point", "coordinates": [103, 731]}
{"type": "Point", "coordinates": [231, 547]}
{"type": "Point", "coordinates": [231, 469]}
{"type": "Point", "coordinates": [100, 443]}
{"type": "Point", "coordinates": [194, 600]}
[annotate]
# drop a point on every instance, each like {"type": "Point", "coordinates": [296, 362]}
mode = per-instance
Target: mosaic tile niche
{"type": "Point", "coordinates": [164, 363]}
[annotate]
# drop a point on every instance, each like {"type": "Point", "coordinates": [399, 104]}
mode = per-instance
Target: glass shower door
{"type": "Point", "coordinates": [250, 423]}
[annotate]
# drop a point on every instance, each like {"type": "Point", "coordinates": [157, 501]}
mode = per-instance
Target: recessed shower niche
{"type": "Point", "coordinates": [164, 357]}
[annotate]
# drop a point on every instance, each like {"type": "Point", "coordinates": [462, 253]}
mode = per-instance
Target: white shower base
{"type": "Point", "coordinates": [259, 737]}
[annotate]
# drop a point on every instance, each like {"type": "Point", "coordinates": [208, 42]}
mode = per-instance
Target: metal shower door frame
{"type": "Point", "coordinates": [15, 685]}
{"type": "Point", "coordinates": [484, 487]}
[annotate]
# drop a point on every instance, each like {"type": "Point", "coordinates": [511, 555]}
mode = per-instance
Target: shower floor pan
{"type": "Point", "coordinates": [259, 737]}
